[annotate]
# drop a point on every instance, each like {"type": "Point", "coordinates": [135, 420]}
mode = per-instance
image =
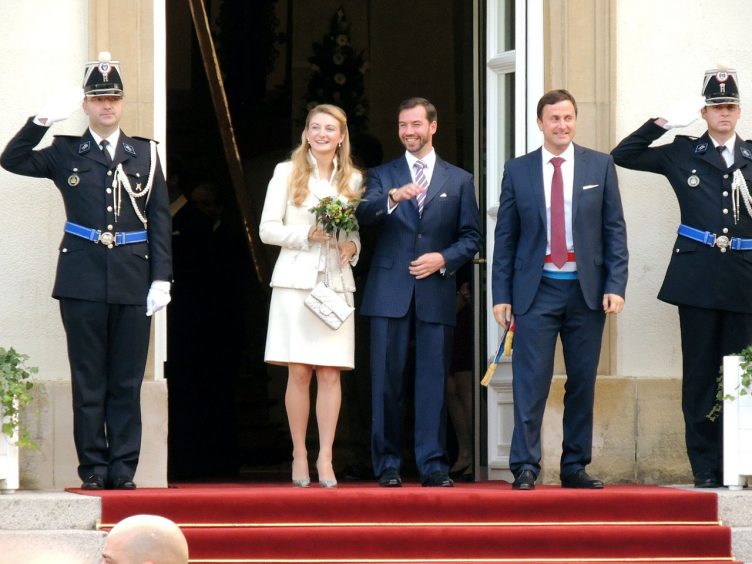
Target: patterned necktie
{"type": "Point", "coordinates": [103, 145]}
{"type": "Point", "coordinates": [558, 229]}
{"type": "Point", "coordinates": [720, 149]}
{"type": "Point", "coordinates": [420, 180]}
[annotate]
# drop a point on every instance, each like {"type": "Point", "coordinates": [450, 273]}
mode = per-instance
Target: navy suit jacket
{"type": "Point", "coordinates": [599, 230]}
{"type": "Point", "coordinates": [449, 225]}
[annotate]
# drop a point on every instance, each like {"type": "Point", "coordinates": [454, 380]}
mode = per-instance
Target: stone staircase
{"type": "Point", "coordinates": [50, 527]}
{"type": "Point", "coordinates": [38, 527]}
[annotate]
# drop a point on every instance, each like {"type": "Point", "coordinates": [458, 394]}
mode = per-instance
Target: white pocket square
{"type": "Point", "coordinates": [589, 186]}
{"type": "Point", "coordinates": [443, 195]}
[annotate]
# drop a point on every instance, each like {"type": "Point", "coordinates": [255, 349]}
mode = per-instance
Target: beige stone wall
{"type": "Point", "coordinates": [638, 426]}
{"type": "Point", "coordinates": [638, 431]}
{"type": "Point", "coordinates": [43, 51]}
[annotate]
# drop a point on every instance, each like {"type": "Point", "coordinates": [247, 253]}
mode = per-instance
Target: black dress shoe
{"type": "Point", "coordinates": [581, 480]}
{"type": "Point", "coordinates": [390, 478]}
{"type": "Point", "coordinates": [438, 480]}
{"type": "Point", "coordinates": [525, 480]}
{"type": "Point", "coordinates": [123, 484]}
{"type": "Point", "coordinates": [93, 482]}
{"type": "Point", "coordinates": [706, 480]}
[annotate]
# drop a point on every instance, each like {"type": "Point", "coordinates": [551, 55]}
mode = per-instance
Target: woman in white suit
{"type": "Point", "coordinates": [319, 167]}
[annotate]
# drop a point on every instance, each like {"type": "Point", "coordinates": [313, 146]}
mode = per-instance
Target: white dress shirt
{"type": "Point", "coordinates": [728, 152]}
{"type": "Point", "coordinates": [429, 159]}
{"type": "Point", "coordinates": [567, 173]}
{"type": "Point", "coordinates": [112, 141]}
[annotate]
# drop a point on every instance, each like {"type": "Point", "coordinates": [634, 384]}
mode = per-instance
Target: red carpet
{"type": "Point", "coordinates": [485, 522]}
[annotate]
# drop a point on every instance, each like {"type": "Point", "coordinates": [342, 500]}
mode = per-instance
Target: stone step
{"type": "Point", "coordinates": [53, 511]}
{"type": "Point", "coordinates": [45, 547]}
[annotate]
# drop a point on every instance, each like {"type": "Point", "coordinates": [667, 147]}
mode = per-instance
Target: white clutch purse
{"type": "Point", "coordinates": [329, 306]}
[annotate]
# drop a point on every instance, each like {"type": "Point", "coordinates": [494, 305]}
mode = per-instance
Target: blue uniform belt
{"type": "Point", "coordinates": [710, 239]}
{"type": "Point", "coordinates": [106, 237]}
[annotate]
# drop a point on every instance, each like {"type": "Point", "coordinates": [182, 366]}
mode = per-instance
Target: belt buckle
{"type": "Point", "coordinates": [107, 238]}
{"type": "Point", "coordinates": [722, 243]}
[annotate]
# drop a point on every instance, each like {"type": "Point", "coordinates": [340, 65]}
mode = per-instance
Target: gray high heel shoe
{"type": "Point", "coordinates": [301, 482]}
{"type": "Point", "coordinates": [328, 484]}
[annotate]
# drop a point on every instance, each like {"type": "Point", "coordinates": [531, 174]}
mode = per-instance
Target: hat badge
{"type": "Point", "coordinates": [104, 68]}
{"type": "Point", "coordinates": [722, 76]}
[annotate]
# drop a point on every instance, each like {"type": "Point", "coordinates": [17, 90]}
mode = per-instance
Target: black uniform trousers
{"type": "Point", "coordinates": [107, 348]}
{"type": "Point", "coordinates": [707, 335]}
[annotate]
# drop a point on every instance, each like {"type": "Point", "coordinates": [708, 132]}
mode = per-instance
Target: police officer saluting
{"type": "Point", "coordinates": [710, 273]}
{"type": "Point", "coordinates": [114, 265]}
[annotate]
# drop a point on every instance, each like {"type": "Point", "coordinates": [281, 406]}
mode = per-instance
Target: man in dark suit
{"type": "Point", "coordinates": [114, 265]}
{"type": "Point", "coordinates": [427, 227]}
{"type": "Point", "coordinates": [710, 273]}
{"type": "Point", "coordinates": [559, 266]}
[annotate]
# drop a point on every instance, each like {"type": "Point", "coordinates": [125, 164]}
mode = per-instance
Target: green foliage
{"type": "Point", "coordinates": [743, 389]}
{"type": "Point", "coordinates": [15, 393]}
{"type": "Point", "coordinates": [334, 214]}
{"type": "Point", "coordinates": [337, 71]}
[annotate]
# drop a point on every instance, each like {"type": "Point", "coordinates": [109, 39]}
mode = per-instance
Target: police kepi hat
{"type": "Point", "coordinates": [102, 77]}
{"type": "Point", "coordinates": [720, 87]}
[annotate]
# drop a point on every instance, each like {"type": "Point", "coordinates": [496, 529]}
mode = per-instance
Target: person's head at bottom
{"type": "Point", "coordinates": [145, 539]}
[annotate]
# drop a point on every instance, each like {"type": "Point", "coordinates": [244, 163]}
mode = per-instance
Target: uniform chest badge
{"type": "Point", "coordinates": [74, 179]}
{"type": "Point", "coordinates": [693, 181]}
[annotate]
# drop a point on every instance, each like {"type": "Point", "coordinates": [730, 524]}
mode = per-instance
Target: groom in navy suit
{"type": "Point", "coordinates": [559, 266]}
{"type": "Point", "coordinates": [428, 226]}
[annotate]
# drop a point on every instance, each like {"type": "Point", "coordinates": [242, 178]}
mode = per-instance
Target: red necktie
{"type": "Point", "coordinates": [558, 229]}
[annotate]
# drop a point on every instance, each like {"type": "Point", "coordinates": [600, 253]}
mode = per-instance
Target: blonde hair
{"type": "Point", "coordinates": [302, 167]}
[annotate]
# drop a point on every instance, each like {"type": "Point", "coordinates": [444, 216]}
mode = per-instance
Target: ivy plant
{"type": "Point", "coordinates": [15, 393]}
{"type": "Point", "coordinates": [743, 389]}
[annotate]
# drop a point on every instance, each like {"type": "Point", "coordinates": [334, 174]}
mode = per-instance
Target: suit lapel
{"type": "Point", "coordinates": [578, 179]}
{"type": "Point", "coordinates": [90, 149]}
{"type": "Point", "coordinates": [125, 149]}
{"type": "Point", "coordinates": [438, 178]}
{"type": "Point", "coordinates": [535, 167]}
{"type": "Point", "coordinates": [742, 153]}
{"type": "Point", "coordinates": [705, 150]}
{"type": "Point", "coordinates": [402, 176]}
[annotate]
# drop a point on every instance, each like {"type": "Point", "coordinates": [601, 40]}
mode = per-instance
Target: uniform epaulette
{"type": "Point", "coordinates": [689, 137]}
{"type": "Point", "coordinates": [143, 139]}
{"type": "Point", "coordinates": [63, 136]}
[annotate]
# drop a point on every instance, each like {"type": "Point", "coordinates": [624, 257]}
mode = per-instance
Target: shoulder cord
{"type": "Point", "coordinates": [739, 185]}
{"type": "Point", "coordinates": [120, 181]}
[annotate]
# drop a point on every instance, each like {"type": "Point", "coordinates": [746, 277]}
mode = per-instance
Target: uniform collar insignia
{"type": "Point", "coordinates": [701, 148]}
{"type": "Point", "coordinates": [84, 147]}
{"type": "Point", "coordinates": [746, 153]}
{"type": "Point", "coordinates": [129, 148]}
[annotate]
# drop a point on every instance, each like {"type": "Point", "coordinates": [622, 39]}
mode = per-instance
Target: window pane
{"type": "Point", "coordinates": [506, 25]}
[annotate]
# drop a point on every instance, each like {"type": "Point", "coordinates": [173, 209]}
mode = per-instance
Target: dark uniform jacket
{"type": "Point", "coordinates": [87, 270]}
{"type": "Point", "coordinates": [699, 275]}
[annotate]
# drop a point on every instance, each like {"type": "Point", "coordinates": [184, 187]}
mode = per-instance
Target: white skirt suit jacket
{"type": "Point", "coordinates": [295, 335]}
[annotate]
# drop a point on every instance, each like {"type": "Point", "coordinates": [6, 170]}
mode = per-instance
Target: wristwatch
{"type": "Point", "coordinates": [391, 195]}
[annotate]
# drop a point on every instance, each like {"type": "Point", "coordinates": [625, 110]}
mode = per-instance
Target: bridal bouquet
{"type": "Point", "coordinates": [334, 214]}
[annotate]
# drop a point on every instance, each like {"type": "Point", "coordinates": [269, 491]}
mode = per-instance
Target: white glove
{"type": "Point", "coordinates": [60, 105]}
{"type": "Point", "coordinates": [158, 297]}
{"type": "Point", "coordinates": [684, 112]}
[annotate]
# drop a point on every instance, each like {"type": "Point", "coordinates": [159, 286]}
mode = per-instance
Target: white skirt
{"type": "Point", "coordinates": [296, 335]}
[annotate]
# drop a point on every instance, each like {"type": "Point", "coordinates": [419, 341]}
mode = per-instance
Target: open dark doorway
{"type": "Point", "coordinates": [226, 406]}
